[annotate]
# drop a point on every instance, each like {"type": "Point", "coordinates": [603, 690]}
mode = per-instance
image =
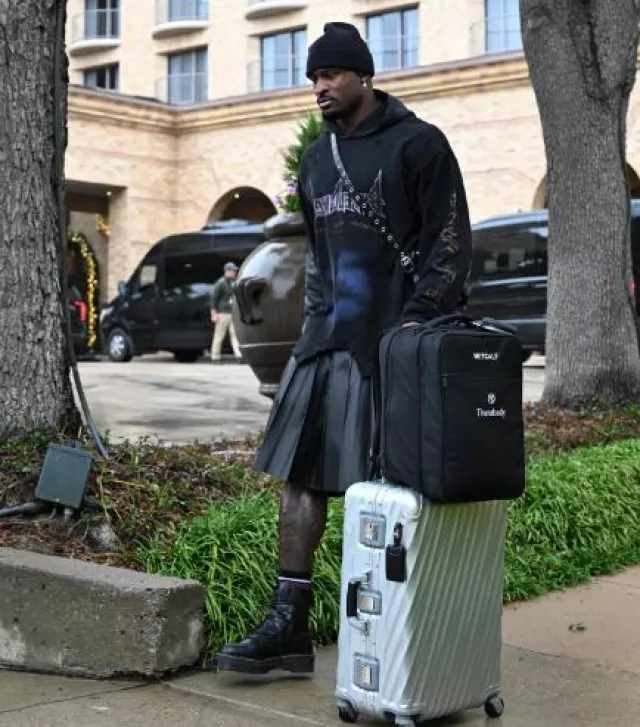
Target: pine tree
{"type": "Point", "coordinates": [308, 132]}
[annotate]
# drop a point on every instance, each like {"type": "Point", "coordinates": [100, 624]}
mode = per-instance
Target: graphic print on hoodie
{"type": "Point", "coordinates": [356, 287]}
{"type": "Point", "coordinates": [351, 252]}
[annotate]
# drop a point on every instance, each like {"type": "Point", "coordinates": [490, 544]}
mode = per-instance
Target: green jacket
{"type": "Point", "coordinates": [221, 298]}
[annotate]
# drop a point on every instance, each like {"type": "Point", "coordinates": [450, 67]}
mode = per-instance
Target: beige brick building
{"type": "Point", "coordinates": [179, 109]}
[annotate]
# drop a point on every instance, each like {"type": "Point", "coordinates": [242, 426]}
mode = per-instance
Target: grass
{"type": "Point", "coordinates": [579, 518]}
{"type": "Point", "coordinates": [232, 551]}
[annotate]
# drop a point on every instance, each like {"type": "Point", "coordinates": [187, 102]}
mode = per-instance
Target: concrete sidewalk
{"type": "Point", "coordinates": [569, 659]}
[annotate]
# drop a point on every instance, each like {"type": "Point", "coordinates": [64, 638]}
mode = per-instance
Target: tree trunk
{"type": "Point", "coordinates": [582, 60]}
{"type": "Point", "coordinates": [35, 389]}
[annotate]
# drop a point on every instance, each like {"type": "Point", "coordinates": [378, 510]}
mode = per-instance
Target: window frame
{"type": "Point", "coordinates": [197, 58]}
{"type": "Point", "coordinates": [408, 47]}
{"type": "Point", "coordinates": [102, 18]}
{"type": "Point", "coordinates": [108, 69]}
{"type": "Point", "coordinates": [502, 26]}
{"type": "Point", "coordinates": [176, 14]}
{"type": "Point", "coordinates": [297, 46]}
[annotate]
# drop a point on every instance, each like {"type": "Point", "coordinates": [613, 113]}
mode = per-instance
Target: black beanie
{"type": "Point", "coordinates": [341, 47]}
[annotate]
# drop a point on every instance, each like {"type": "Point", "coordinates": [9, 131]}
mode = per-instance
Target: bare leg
{"type": "Point", "coordinates": [303, 519]}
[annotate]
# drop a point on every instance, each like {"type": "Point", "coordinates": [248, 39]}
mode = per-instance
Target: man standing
{"type": "Point", "coordinates": [389, 244]}
{"type": "Point", "coordinates": [221, 306]}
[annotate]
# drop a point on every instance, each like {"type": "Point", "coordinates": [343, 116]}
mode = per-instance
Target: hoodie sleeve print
{"type": "Point", "coordinates": [314, 303]}
{"type": "Point", "coordinates": [437, 190]}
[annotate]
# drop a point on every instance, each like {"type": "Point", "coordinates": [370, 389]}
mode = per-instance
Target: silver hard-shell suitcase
{"type": "Point", "coordinates": [420, 607]}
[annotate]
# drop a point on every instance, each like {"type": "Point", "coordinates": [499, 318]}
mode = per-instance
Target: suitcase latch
{"type": "Point", "coordinates": [363, 600]}
{"type": "Point", "coordinates": [372, 530]}
{"type": "Point", "coordinates": [396, 557]}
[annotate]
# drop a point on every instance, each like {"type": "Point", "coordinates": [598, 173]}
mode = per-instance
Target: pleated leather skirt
{"type": "Point", "coordinates": [319, 431]}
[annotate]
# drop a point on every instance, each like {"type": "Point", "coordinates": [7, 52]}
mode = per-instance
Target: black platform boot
{"type": "Point", "coordinates": [282, 641]}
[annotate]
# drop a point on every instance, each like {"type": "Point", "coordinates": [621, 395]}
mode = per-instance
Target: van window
{"type": "Point", "coordinates": [192, 274]}
{"type": "Point", "coordinates": [504, 252]}
{"type": "Point", "coordinates": [145, 278]}
{"type": "Point", "coordinates": [148, 275]}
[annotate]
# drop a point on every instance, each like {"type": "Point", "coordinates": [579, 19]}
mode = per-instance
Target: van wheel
{"type": "Point", "coordinates": [119, 346]}
{"type": "Point", "coordinates": [187, 356]}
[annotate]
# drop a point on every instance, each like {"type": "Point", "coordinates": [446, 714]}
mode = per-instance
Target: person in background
{"type": "Point", "coordinates": [221, 303]}
{"type": "Point", "coordinates": [391, 247]}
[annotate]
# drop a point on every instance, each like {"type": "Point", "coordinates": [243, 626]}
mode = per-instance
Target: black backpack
{"type": "Point", "coordinates": [448, 408]}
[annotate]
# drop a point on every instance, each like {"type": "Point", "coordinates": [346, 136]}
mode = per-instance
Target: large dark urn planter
{"type": "Point", "coordinates": [269, 300]}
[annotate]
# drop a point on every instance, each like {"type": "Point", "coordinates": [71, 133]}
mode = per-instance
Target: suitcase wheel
{"type": "Point", "coordinates": [347, 713]}
{"type": "Point", "coordinates": [494, 706]}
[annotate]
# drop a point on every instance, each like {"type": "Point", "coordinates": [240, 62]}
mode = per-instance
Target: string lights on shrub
{"type": "Point", "coordinates": [102, 226]}
{"type": "Point", "coordinates": [91, 272]}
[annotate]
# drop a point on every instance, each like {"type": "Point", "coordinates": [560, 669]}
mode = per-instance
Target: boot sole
{"type": "Point", "coordinates": [295, 664]}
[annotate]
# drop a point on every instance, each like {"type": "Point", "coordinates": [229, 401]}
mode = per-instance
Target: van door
{"type": "Point", "coordinates": [508, 279]}
{"type": "Point", "coordinates": [184, 316]}
{"type": "Point", "coordinates": [140, 310]}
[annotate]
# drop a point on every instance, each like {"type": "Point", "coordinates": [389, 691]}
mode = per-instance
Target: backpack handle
{"type": "Point", "coordinates": [450, 318]}
{"type": "Point", "coordinates": [464, 319]}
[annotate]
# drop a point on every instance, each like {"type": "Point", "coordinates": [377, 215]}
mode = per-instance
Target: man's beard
{"type": "Point", "coordinates": [342, 111]}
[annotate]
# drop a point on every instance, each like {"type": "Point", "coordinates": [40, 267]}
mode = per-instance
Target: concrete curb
{"type": "Point", "coordinates": [65, 616]}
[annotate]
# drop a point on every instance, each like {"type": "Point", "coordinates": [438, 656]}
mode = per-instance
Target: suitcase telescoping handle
{"type": "Point", "coordinates": [352, 605]}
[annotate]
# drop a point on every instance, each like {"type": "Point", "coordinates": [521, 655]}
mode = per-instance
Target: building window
{"type": "Point", "coordinates": [187, 79]}
{"type": "Point", "coordinates": [502, 26]}
{"type": "Point", "coordinates": [393, 39]}
{"type": "Point", "coordinates": [178, 10]}
{"type": "Point", "coordinates": [101, 19]}
{"type": "Point", "coordinates": [283, 60]}
{"type": "Point", "coordinates": [102, 77]}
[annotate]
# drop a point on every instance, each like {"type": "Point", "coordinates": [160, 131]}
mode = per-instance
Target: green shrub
{"type": "Point", "coordinates": [580, 517]}
{"type": "Point", "coordinates": [147, 488]}
{"type": "Point", "coordinates": [232, 551]}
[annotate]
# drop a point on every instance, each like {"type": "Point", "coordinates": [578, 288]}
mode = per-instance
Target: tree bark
{"type": "Point", "coordinates": [582, 58]}
{"type": "Point", "coordinates": [35, 389]}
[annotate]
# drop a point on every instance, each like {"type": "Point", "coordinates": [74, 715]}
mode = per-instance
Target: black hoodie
{"type": "Point", "coordinates": [355, 285]}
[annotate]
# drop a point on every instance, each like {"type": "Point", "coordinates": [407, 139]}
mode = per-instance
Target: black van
{"type": "Point", "coordinates": [164, 306]}
{"type": "Point", "coordinates": [508, 279]}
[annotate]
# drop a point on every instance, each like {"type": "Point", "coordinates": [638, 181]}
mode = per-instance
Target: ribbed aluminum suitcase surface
{"type": "Point", "coordinates": [428, 645]}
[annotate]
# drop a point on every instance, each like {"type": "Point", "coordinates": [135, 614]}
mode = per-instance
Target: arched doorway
{"type": "Point", "coordinates": [242, 203]}
{"type": "Point", "coordinates": [83, 278]}
{"type": "Point", "coordinates": [541, 196]}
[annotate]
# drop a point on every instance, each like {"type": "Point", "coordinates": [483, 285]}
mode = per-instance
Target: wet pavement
{"type": "Point", "coordinates": [154, 396]}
